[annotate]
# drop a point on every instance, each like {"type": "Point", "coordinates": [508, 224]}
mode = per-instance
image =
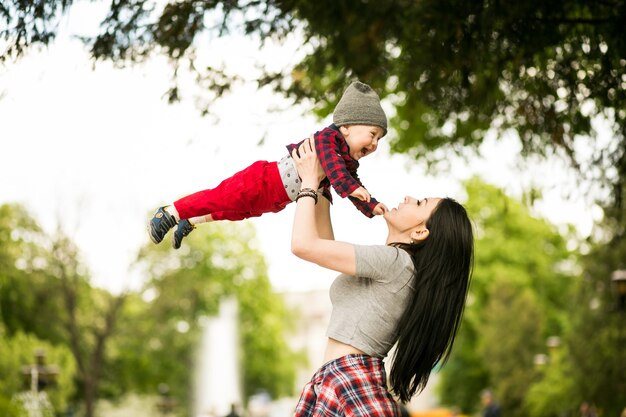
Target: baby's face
{"type": "Point", "coordinates": [362, 139]}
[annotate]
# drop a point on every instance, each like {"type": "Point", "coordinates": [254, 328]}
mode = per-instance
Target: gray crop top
{"type": "Point", "coordinates": [367, 307]}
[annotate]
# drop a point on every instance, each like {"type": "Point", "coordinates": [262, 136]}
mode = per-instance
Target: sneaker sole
{"type": "Point", "coordinates": [154, 237]}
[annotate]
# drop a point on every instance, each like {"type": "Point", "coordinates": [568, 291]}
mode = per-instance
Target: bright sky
{"type": "Point", "coordinates": [99, 149]}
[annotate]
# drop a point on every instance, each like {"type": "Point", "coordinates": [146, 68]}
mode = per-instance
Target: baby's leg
{"type": "Point", "coordinates": [251, 192]}
{"type": "Point", "coordinates": [171, 209]}
{"type": "Point", "coordinates": [201, 219]}
{"type": "Point", "coordinates": [234, 216]}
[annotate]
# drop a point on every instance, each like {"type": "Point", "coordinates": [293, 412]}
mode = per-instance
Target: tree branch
{"type": "Point", "coordinates": [103, 335]}
{"type": "Point", "coordinates": [69, 296]}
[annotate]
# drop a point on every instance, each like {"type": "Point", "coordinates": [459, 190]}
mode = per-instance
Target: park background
{"type": "Point", "coordinates": [90, 149]}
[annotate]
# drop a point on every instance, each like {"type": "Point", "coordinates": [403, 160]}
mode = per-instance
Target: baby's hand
{"type": "Point", "coordinates": [380, 209]}
{"type": "Point", "coordinates": [361, 193]}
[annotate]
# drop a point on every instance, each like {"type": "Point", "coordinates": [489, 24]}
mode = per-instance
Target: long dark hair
{"type": "Point", "coordinates": [443, 268]}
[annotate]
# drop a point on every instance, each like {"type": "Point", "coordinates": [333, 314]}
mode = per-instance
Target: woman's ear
{"type": "Point", "coordinates": [344, 130]}
{"type": "Point", "coordinates": [420, 234]}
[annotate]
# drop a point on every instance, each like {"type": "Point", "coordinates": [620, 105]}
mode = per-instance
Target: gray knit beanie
{"type": "Point", "coordinates": [360, 105]}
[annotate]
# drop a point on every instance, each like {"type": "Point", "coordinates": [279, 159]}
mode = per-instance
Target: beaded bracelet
{"type": "Point", "coordinates": [307, 192]}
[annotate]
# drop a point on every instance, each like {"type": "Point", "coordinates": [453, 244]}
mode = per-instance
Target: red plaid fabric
{"type": "Point", "coordinates": [341, 170]}
{"type": "Point", "coordinates": [351, 386]}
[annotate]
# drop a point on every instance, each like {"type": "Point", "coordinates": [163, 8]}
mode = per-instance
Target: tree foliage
{"type": "Point", "coordinates": [554, 389]}
{"type": "Point", "coordinates": [109, 345]}
{"type": "Point", "coordinates": [508, 355]}
{"type": "Point", "coordinates": [597, 343]}
{"type": "Point", "coordinates": [521, 287]}
{"type": "Point", "coordinates": [46, 293]}
{"type": "Point", "coordinates": [17, 352]}
{"type": "Point", "coordinates": [22, 255]}
{"type": "Point", "coordinates": [218, 261]}
{"type": "Point", "coordinates": [452, 69]}
{"type": "Point", "coordinates": [27, 304]}
{"type": "Point", "coordinates": [531, 284]}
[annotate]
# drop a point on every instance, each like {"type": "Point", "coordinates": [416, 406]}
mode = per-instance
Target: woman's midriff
{"type": "Point", "coordinates": [336, 349]}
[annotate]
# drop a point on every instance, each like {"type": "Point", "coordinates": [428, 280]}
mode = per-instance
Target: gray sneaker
{"type": "Point", "coordinates": [183, 229]}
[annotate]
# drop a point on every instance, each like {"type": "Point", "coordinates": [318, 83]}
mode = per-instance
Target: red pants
{"type": "Point", "coordinates": [251, 192]}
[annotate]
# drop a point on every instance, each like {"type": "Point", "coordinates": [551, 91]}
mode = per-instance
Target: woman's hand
{"type": "Point", "coordinates": [308, 165]}
{"type": "Point", "coordinates": [310, 240]}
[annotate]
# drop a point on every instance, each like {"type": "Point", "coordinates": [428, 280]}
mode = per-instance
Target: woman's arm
{"type": "Point", "coordinates": [310, 241]}
{"type": "Point", "coordinates": [322, 219]}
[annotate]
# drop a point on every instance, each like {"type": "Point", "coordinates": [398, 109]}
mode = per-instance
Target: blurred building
{"type": "Point", "coordinates": [313, 312]}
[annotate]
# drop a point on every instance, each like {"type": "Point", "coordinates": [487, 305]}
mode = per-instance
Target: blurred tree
{"type": "Point", "coordinates": [269, 365]}
{"type": "Point", "coordinates": [184, 291]}
{"type": "Point", "coordinates": [19, 351]}
{"type": "Point", "coordinates": [522, 284]}
{"type": "Point", "coordinates": [554, 392]}
{"type": "Point", "coordinates": [44, 291]}
{"type": "Point", "coordinates": [452, 69]}
{"type": "Point", "coordinates": [29, 307]}
{"type": "Point", "coordinates": [597, 341]}
{"type": "Point", "coordinates": [89, 318]}
{"type": "Point", "coordinates": [511, 335]}
{"type": "Point", "coordinates": [132, 342]}
{"type": "Point", "coordinates": [25, 288]}
{"type": "Point", "coordinates": [590, 364]}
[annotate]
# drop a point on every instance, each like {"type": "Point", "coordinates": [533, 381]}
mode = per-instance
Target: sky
{"type": "Point", "coordinates": [96, 149]}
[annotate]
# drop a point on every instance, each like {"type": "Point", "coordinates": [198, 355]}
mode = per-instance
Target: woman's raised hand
{"type": "Point", "coordinates": [308, 165]}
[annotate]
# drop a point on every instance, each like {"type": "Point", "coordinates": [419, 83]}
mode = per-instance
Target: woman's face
{"type": "Point", "coordinates": [411, 213]}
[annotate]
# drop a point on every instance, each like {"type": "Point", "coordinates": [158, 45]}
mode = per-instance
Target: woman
{"type": "Point", "coordinates": [410, 291]}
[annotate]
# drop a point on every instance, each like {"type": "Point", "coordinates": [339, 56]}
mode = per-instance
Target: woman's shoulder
{"type": "Point", "coordinates": [383, 250]}
{"type": "Point", "coordinates": [382, 255]}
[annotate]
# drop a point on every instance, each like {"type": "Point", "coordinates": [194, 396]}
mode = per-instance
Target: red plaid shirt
{"type": "Point", "coordinates": [341, 170]}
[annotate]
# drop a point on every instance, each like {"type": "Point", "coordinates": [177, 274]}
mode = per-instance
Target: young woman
{"type": "Point", "coordinates": [409, 292]}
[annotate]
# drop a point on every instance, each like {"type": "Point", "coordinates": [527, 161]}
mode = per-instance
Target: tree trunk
{"type": "Point", "coordinates": [89, 386]}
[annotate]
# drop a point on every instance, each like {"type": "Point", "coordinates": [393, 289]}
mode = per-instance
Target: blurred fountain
{"type": "Point", "coordinates": [218, 382]}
